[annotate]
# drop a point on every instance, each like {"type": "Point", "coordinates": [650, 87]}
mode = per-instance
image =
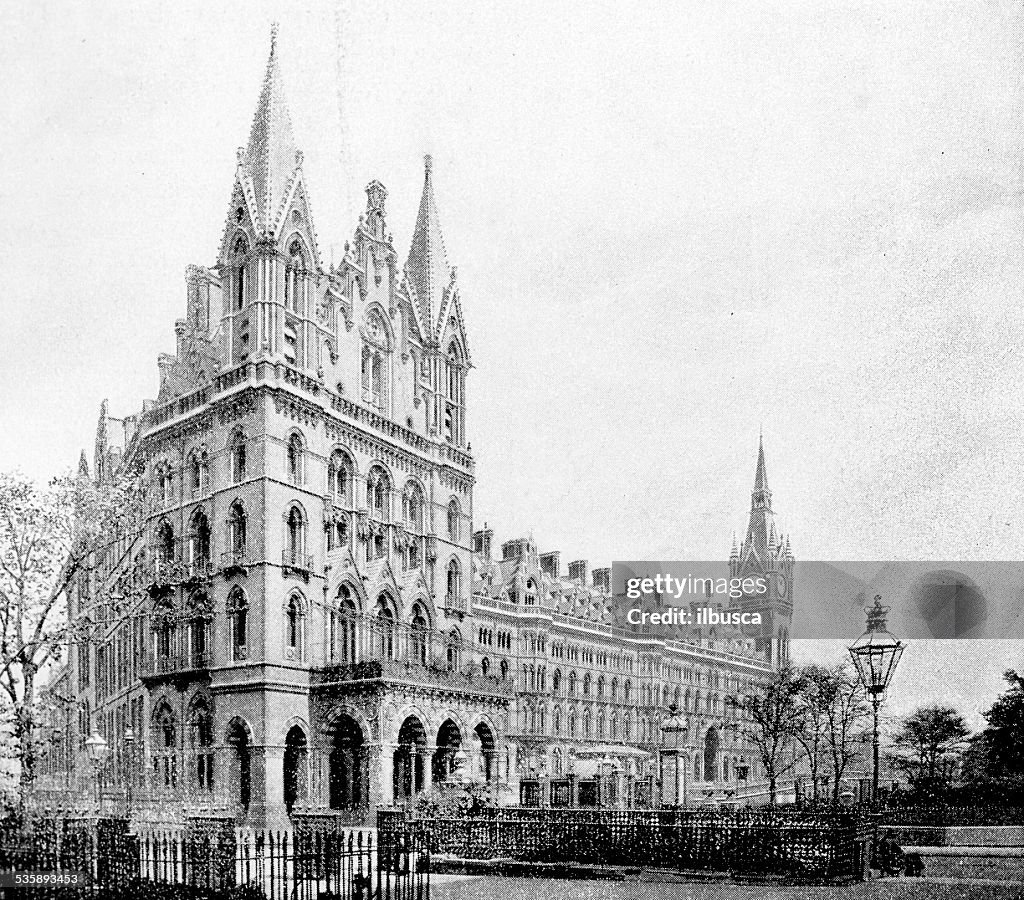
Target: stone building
{"type": "Point", "coordinates": [304, 619]}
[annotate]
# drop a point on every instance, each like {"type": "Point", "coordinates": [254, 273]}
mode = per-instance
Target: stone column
{"type": "Point", "coordinates": [381, 774]}
{"type": "Point", "coordinates": [268, 775]}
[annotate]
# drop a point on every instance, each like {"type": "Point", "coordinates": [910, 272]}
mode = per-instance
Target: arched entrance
{"type": "Point", "coordinates": [711, 772]}
{"type": "Point", "coordinates": [449, 741]}
{"type": "Point", "coordinates": [489, 749]}
{"type": "Point", "coordinates": [410, 762]}
{"type": "Point", "coordinates": [295, 753]}
{"type": "Point", "coordinates": [347, 764]}
{"type": "Point", "coordinates": [241, 763]}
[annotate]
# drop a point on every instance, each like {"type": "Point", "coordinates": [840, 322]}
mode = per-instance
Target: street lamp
{"type": "Point", "coordinates": [876, 654]}
{"type": "Point", "coordinates": [675, 725]}
{"type": "Point", "coordinates": [129, 747]}
{"type": "Point", "coordinates": [96, 748]}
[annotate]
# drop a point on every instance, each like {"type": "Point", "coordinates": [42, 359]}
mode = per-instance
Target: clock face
{"type": "Point", "coordinates": [781, 585]}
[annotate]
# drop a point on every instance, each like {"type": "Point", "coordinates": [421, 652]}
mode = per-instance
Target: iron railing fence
{"type": "Point", "coordinates": [744, 842]}
{"type": "Point", "coordinates": [213, 858]}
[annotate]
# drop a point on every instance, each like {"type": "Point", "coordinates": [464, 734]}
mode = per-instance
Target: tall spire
{"type": "Point", "coordinates": [761, 498]}
{"type": "Point", "coordinates": [761, 535]}
{"type": "Point", "coordinates": [427, 266]}
{"type": "Point", "coordinates": [83, 466]}
{"type": "Point", "coordinates": [271, 155]}
{"type": "Point", "coordinates": [760, 477]}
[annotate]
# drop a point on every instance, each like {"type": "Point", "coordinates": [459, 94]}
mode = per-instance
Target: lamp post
{"type": "Point", "coordinates": [96, 748]}
{"type": "Point", "coordinates": [876, 654]}
{"type": "Point", "coordinates": [675, 725]}
{"type": "Point", "coordinates": [129, 750]}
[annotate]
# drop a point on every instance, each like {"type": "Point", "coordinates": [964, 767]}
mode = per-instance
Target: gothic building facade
{"type": "Point", "coordinates": [304, 619]}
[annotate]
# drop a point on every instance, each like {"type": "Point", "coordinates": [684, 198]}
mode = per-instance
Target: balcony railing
{"type": "Point", "coordinates": [182, 662]}
{"type": "Point", "coordinates": [296, 561]}
{"type": "Point", "coordinates": [235, 559]}
{"type": "Point", "coordinates": [455, 604]}
{"type": "Point", "coordinates": [409, 673]}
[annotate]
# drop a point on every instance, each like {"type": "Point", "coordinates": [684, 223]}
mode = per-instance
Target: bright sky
{"type": "Point", "coordinates": [673, 224]}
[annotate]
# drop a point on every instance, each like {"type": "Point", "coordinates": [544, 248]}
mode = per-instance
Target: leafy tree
{"type": "Point", "coordinates": [928, 743]}
{"type": "Point", "coordinates": [998, 750]}
{"type": "Point", "coordinates": [772, 720]}
{"type": "Point", "coordinates": [46, 538]}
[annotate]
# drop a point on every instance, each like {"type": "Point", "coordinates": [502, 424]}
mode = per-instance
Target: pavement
{"type": "Point", "coordinates": [468, 887]}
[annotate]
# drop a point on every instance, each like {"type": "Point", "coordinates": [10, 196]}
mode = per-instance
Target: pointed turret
{"type": "Point", "coordinates": [761, 496]}
{"type": "Point", "coordinates": [427, 268]}
{"type": "Point", "coordinates": [83, 466]}
{"type": "Point", "coordinates": [271, 156]}
{"type": "Point", "coordinates": [761, 536]}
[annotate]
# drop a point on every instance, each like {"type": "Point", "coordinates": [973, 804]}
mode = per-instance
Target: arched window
{"type": "Point", "coordinates": [615, 690]}
{"type": "Point", "coordinates": [200, 473]}
{"type": "Point", "coordinates": [295, 459]}
{"type": "Point", "coordinates": [165, 541]}
{"type": "Point", "coordinates": [485, 665]}
{"type": "Point", "coordinates": [586, 685]}
{"type": "Point", "coordinates": [454, 517]}
{"type": "Point", "coordinates": [586, 724]}
{"type": "Point", "coordinates": [343, 625]}
{"type": "Point", "coordinates": [238, 618]}
{"type": "Point", "coordinates": [454, 581]}
{"type": "Point", "coordinates": [385, 630]}
{"type": "Point", "coordinates": [339, 478]}
{"type": "Point", "coordinates": [201, 729]}
{"type": "Point", "coordinates": [241, 275]}
{"type": "Point", "coordinates": [164, 744]}
{"type": "Point", "coordinates": [199, 541]}
{"type": "Point", "coordinates": [627, 691]}
{"type": "Point", "coordinates": [294, 292]}
{"type": "Point", "coordinates": [454, 651]}
{"type": "Point", "coordinates": [556, 680]}
{"type": "Point", "coordinates": [572, 724]}
{"type": "Point", "coordinates": [600, 686]}
{"type": "Point", "coordinates": [572, 684]}
{"type": "Point", "coordinates": [556, 721]}
{"type": "Point", "coordinates": [237, 532]}
{"type": "Point", "coordinates": [454, 402]}
{"type": "Point", "coordinates": [293, 614]}
{"type": "Point", "coordinates": [295, 538]}
{"type": "Point", "coordinates": [503, 668]}
{"type": "Point", "coordinates": [418, 636]}
{"type": "Point", "coordinates": [412, 515]}
{"type": "Point", "coordinates": [376, 362]}
{"type": "Point", "coordinates": [237, 457]}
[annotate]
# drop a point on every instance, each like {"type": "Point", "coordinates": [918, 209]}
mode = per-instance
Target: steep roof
{"type": "Point", "coordinates": [427, 266]}
{"type": "Point", "coordinates": [271, 155]}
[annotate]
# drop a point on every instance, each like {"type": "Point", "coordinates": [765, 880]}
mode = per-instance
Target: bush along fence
{"type": "Point", "coordinates": [211, 859]}
{"type": "Point", "coordinates": [747, 842]}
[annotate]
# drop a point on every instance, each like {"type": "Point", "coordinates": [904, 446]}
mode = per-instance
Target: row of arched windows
{"type": "Point", "coordinates": [198, 546]}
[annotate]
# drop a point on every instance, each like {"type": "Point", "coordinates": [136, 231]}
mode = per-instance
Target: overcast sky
{"type": "Point", "coordinates": [674, 224]}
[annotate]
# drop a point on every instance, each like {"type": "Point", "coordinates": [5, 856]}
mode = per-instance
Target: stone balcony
{"type": "Point", "coordinates": [410, 674]}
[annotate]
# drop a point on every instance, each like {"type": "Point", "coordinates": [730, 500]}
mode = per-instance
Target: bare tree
{"type": "Point", "coordinates": [46, 534]}
{"type": "Point", "coordinates": [813, 733]}
{"type": "Point", "coordinates": [772, 719]}
{"type": "Point", "coordinates": [846, 709]}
